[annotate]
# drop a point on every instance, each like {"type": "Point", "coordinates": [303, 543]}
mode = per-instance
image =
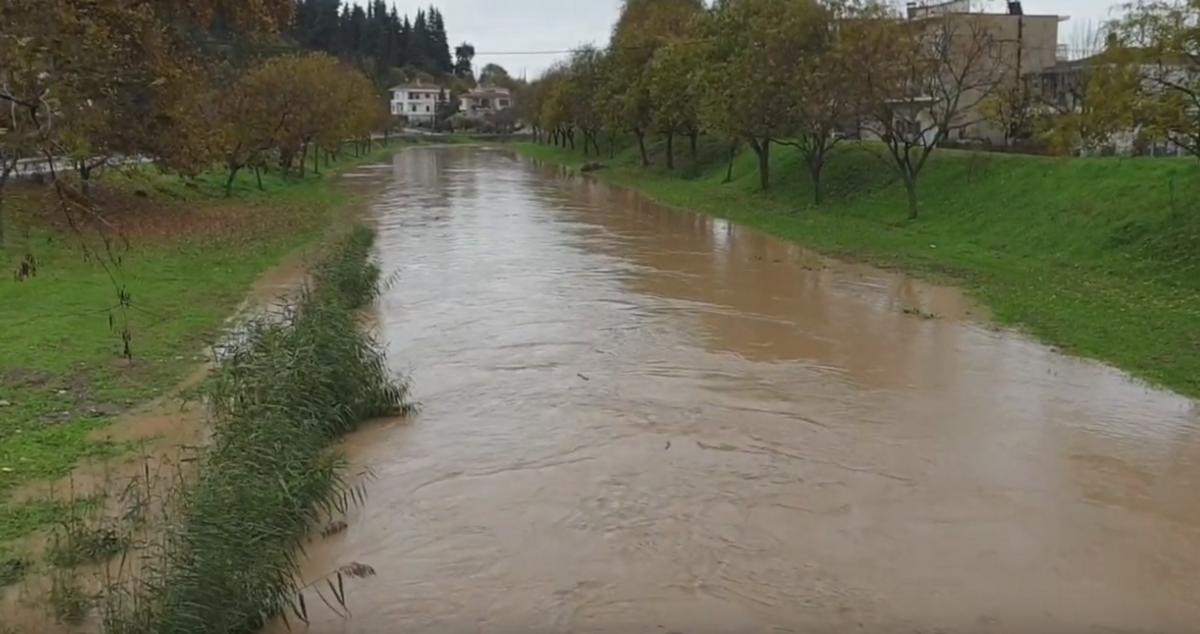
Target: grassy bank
{"type": "Point", "coordinates": [226, 559]}
{"type": "Point", "coordinates": [183, 254]}
{"type": "Point", "coordinates": [1098, 256]}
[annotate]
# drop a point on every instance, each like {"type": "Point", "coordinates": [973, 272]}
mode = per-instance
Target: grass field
{"type": "Point", "coordinates": [182, 255]}
{"type": "Point", "coordinates": [1100, 257]}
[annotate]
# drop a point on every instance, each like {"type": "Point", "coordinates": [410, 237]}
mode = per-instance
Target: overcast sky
{"type": "Point", "coordinates": [504, 26]}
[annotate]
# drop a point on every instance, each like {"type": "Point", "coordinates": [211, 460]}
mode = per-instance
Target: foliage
{"type": "Point", "coordinates": [674, 75]}
{"type": "Point", "coordinates": [12, 569]}
{"type": "Point", "coordinates": [494, 74]}
{"type": "Point", "coordinates": [197, 254]}
{"type": "Point", "coordinates": [1149, 75]}
{"type": "Point", "coordinates": [923, 80]}
{"type": "Point", "coordinates": [290, 385]}
{"type": "Point", "coordinates": [375, 38]}
{"type": "Point", "coordinates": [463, 55]}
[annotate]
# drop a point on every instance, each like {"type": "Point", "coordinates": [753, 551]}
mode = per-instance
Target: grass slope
{"type": "Point", "coordinates": [1098, 256]}
{"type": "Point", "coordinates": [190, 258]}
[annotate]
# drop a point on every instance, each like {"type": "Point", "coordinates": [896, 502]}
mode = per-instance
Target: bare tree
{"type": "Point", "coordinates": [922, 80]}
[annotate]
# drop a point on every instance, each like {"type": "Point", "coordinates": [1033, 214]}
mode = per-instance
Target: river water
{"type": "Point", "coordinates": [638, 419]}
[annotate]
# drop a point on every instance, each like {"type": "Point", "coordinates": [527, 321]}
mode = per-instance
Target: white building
{"type": "Point", "coordinates": [486, 100]}
{"type": "Point", "coordinates": [417, 102]}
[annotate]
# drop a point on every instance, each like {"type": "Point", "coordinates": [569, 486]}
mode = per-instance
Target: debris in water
{"type": "Point", "coordinates": [357, 570]}
{"type": "Point", "coordinates": [668, 447]}
{"type": "Point", "coordinates": [333, 528]}
{"type": "Point", "coordinates": [582, 376]}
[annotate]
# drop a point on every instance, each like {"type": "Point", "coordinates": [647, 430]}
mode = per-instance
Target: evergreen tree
{"type": "Point", "coordinates": [378, 39]}
{"type": "Point", "coordinates": [463, 56]}
{"type": "Point", "coordinates": [439, 44]}
{"type": "Point", "coordinates": [418, 43]}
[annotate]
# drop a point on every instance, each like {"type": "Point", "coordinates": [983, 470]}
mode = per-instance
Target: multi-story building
{"type": "Point", "coordinates": [417, 102]}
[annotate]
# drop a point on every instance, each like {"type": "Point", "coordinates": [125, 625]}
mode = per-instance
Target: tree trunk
{"type": "Point", "coordinates": [258, 177]}
{"type": "Point", "coordinates": [571, 138]}
{"type": "Point", "coordinates": [233, 170]}
{"type": "Point", "coordinates": [693, 137]}
{"type": "Point", "coordinates": [6, 170]}
{"type": "Point", "coordinates": [1, 215]}
{"type": "Point", "coordinates": [85, 179]}
{"type": "Point", "coordinates": [732, 155]}
{"type": "Point", "coordinates": [910, 186]}
{"type": "Point", "coordinates": [670, 150]}
{"type": "Point", "coordinates": [303, 158]}
{"type": "Point", "coordinates": [815, 166]}
{"type": "Point", "coordinates": [763, 150]}
{"type": "Point", "coordinates": [316, 159]}
{"type": "Point", "coordinates": [612, 143]}
{"type": "Point", "coordinates": [641, 137]}
{"type": "Point", "coordinates": [586, 143]}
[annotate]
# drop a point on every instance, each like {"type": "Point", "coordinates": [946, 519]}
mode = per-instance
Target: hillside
{"type": "Point", "coordinates": [1098, 256]}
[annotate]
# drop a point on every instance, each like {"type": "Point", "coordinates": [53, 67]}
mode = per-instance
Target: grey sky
{"type": "Point", "coordinates": [501, 26]}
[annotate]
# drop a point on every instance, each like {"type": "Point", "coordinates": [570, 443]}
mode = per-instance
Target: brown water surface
{"type": "Point", "coordinates": [644, 420]}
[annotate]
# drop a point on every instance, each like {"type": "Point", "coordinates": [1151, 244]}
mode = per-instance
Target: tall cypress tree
{"type": "Point", "coordinates": [418, 42]}
{"type": "Point", "coordinates": [439, 44]}
{"type": "Point", "coordinates": [405, 49]}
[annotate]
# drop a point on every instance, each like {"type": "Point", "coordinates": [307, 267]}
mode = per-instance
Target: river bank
{"type": "Point", "coordinates": [170, 264]}
{"type": "Point", "coordinates": [1100, 257]}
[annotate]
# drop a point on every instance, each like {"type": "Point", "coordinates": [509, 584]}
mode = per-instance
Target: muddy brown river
{"type": "Point", "coordinates": [638, 419]}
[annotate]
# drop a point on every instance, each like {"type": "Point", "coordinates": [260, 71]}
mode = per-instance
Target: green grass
{"type": "Point", "coordinates": [226, 561]}
{"type": "Point", "coordinates": [190, 258]}
{"type": "Point", "coordinates": [1100, 257]}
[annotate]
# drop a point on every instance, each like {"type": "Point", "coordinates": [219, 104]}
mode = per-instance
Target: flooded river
{"type": "Point", "coordinates": [638, 419]}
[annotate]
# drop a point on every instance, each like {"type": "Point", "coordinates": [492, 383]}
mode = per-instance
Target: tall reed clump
{"type": "Point", "coordinates": [291, 384]}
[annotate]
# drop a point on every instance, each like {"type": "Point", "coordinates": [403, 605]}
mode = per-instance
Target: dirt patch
{"type": "Point", "coordinates": [24, 378]}
{"type": "Point", "coordinates": [77, 395]}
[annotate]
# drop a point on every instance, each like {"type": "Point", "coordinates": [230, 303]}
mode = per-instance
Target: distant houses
{"type": "Point", "coordinates": [419, 102]}
{"type": "Point", "coordinates": [486, 100]}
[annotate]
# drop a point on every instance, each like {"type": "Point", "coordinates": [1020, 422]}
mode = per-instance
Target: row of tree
{"type": "Point", "coordinates": [94, 83]}
{"type": "Point", "coordinates": [378, 39]}
{"type": "Point", "coordinates": [813, 73]}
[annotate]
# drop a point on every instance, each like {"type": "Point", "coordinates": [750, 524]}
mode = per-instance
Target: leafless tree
{"type": "Point", "coordinates": [922, 80]}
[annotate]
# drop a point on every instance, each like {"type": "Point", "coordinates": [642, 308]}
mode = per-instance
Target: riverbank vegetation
{"type": "Point", "coordinates": [288, 386]}
{"type": "Point", "coordinates": [823, 122]}
{"type": "Point", "coordinates": [1098, 256]}
{"type": "Point", "coordinates": [155, 159]}
{"type": "Point", "coordinates": [188, 255]}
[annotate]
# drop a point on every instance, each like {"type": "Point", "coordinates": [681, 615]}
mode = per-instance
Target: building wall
{"type": "Point", "coordinates": [419, 105]}
{"type": "Point", "coordinates": [1026, 45]}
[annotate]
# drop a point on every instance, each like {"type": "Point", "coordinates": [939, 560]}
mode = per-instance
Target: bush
{"type": "Point", "coordinates": [290, 385]}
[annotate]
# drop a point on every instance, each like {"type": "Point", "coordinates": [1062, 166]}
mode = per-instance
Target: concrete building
{"type": "Point", "coordinates": [486, 100]}
{"type": "Point", "coordinates": [417, 102]}
{"type": "Point", "coordinates": [1015, 46]}
{"type": "Point", "coordinates": [1020, 45]}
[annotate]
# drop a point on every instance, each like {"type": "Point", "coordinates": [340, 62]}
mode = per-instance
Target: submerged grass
{"type": "Point", "coordinates": [291, 384]}
{"type": "Point", "coordinates": [1100, 256]}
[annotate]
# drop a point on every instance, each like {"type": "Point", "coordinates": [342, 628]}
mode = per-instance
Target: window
{"type": "Point", "coordinates": [426, 108]}
{"type": "Point", "coordinates": [412, 107]}
{"type": "Point", "coordinates": [413, 96]}
{"type": "Point", "coordinates": [503, 103]}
